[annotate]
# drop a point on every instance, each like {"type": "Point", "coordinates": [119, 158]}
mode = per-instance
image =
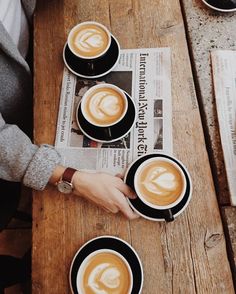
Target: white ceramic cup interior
{"type": "Point", "coordinates": [82, 24]}
{"type": "Point", "coordinates": [158, 159]}
{"type": "Point", "coordinates": [79, 279]}
{"type": "Point", "coordinates": [91, 90]}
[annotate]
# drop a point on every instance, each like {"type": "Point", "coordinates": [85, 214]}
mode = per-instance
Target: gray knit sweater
{"type": "Point", "coordinates": [20, 160]}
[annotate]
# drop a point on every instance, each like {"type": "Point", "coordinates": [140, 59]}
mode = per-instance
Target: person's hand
{"type": "Point", "coordinates": [106, 191]}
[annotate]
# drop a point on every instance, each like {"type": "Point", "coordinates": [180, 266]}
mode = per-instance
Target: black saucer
{"type": "Point", "coordinates": [223, 5]}
{"type": "Point", "coordinates": [112, 243]}
{"type": "Point", "coordinates": [143, 209]}
{"type": "Point", "coordinates": [95, 68]}
{"type": "Point", "coordinates": [108, 134]}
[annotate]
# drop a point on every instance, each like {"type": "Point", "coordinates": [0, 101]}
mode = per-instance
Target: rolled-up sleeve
{"type": "Point", "coordinates": [22, 161]}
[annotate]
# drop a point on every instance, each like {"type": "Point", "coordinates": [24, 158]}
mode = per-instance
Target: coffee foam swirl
{"type": "Point", "coordinates": [104, 276]}
{"type": "Point", "coordinates": [160, 183]}
{"type": "Point", "coordinates": [106, 273]}
{"type": "Point", "coordinates": [89, 40]}
{"type": "Point", "coordinates": [105, 106]}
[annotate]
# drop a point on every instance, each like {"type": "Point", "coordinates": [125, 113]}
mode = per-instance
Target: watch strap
{"type": "Point", "coordinates": [68, 174]}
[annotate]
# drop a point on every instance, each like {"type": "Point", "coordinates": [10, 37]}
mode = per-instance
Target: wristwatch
{"type": "Point", "coordinates": [65, 183]}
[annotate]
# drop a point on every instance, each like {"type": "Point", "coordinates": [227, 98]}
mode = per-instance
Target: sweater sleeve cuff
{"type": "Point", "coordinates": [41, 167]}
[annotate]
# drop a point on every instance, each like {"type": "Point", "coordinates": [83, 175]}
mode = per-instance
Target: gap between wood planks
{"type": "Point", "coordinates": [213, 238]}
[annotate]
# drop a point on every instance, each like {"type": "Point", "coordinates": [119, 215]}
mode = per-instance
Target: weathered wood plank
{"type": "Point", "coordinates": [229, 218]}
{"type": "Point", "coordinates": [209, 30]}
{"type": "Point", "coordinates": [181, 257]}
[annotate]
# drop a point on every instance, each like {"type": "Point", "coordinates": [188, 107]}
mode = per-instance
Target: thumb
{"type": "Point", "coordinates": [119, 176]}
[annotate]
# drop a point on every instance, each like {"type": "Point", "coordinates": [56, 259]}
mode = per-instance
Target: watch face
{"type": "Point", "coordinates": [65, 187]}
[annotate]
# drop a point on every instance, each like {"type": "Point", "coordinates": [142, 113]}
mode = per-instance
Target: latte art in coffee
{"type": "Point", "coordinates": [106, 273]}
{"type": "Point", "coordinates": [89, 40]}
{"type": "Point", "coordinates": [104, 106]}
{"type": "Point", "coordinates": [160, 183]}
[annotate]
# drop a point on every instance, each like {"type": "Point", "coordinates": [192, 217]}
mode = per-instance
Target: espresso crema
{"type": "Point", "coordinates": [89, 40]}
{"type": "Point", "coordinates": [106, 273]}
{"type": "Point", "coordinates": [160, 183]}
{"type": "Point", "coordinates": [104, 106]}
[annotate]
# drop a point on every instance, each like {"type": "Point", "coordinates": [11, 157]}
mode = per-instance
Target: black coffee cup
{"type": "Point", "coordinates": [166, 208]}
{"type": "Point", "coordinates": [221, 5]}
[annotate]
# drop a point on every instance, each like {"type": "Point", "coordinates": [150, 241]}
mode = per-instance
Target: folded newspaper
{"type": "Point", "coordinates": [145, 74]}
{"type": "Point", "coordinates": [224, 74]}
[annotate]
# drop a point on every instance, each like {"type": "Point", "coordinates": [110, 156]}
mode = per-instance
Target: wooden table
{"type": "Point", "coordinates": [186, 256]}
{"type": "Point", "coordinates": [210, 30]}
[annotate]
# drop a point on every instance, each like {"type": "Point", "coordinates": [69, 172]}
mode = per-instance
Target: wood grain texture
{"type": "Point", "coordinates": [210, 30]}
{"type": "Point", "coordinates": [186, 256]}
{"type": "Point", "coordinates": [229, 217]}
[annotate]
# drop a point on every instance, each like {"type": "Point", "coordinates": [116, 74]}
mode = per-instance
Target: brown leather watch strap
{"type": "Point", "coordinates": [68, 174]}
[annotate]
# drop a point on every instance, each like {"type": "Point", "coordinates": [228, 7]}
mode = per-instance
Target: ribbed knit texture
{"type": "Point", "coordinates": [20, 160]}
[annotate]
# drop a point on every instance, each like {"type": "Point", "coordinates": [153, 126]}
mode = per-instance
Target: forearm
{"type": "Point", "coordinates": [57, 174]}
{"type": "Point", "coordinates": [22, 161]}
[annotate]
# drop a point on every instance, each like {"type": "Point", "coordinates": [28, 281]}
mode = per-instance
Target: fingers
{"type": "Point", "coordinates": [111, 210]}
{"type": "Point", "coordinates": [120, 204]}
{"type": "Point", "coordinates": [128, 212]}
{"type": "Point", "coordinates": [120, 176]}
{"type": "Point", "coordinates": [126, 190]}
{"type": "Point", "coordinates": [125, 208]}
{"type": "Point", "coordinates": [108, 192]}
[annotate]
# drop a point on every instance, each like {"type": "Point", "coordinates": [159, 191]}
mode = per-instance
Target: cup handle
{"type": "Point", "coordinates": [168, 215]}
{"type": "Point", "coordinates": [90, 66]}
{"type": "Point", "coordinates": [108, 133]}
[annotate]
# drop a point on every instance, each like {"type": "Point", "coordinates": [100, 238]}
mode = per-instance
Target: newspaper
{"type": "Point", "coordinates": [224, 74]}
{"type": "Point", "coordinates": [145, 74]}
